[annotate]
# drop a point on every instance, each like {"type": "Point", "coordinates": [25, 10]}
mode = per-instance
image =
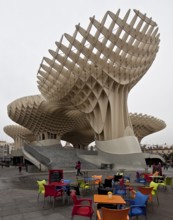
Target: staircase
{"type": "Point", "coordinates": [58, 157]}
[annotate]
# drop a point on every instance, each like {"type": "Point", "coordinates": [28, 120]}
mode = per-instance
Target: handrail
{"type": "Point", "coordinates": [41, 158]}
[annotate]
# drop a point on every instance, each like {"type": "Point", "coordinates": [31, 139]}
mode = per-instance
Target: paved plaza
{"type": "Point", "coordinates": [18, 197]}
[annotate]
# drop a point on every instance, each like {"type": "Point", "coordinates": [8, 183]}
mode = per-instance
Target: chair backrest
{"type": "Point", "coordinates": [119, 189]}
{"type": "Point", "coordinates": [155, 187]}
{"type": "Point", "coordinates": [120, 214]}
{"type": "Point", "coordinates": [117, 178]}
{"type": "Point", "coordinates": [137, 175]}
{"type": "Point", "coordinates": [148, 177]}
{"type": "Point", "coordinates": [146, 191]}
{"type": "Point", "coordinates": [110, 177]}
{"type": "Point", "coordinates": [108, 183]}
{"type": "Point", "coordinates": [50, 190]}
{"type": "Point", "coordinates": [74, 197]}
{"type": "Point", "coordinates": [168, 181]}
{"type": "Point", "coordinates": [102, 191]}
{"type": "Point", "coordinates": [82, 184]}
{"type": "Point", "coordinates": [41, 188]}
{"type": "Point", "coordinates": [140, 199]}
{"type": "Point", "coordinates": [97, 179]}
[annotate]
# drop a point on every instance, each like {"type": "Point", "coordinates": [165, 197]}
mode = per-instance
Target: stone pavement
{"type": "Point", "coordinates": [18, 198]}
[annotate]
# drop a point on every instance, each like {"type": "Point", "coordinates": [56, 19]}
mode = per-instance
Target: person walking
{"type": "Point", "coordinates": [20, 168]}
{"type": "Point", "coordinates": [78, 169]}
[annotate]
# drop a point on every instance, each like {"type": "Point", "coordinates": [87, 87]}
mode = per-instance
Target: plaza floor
{"type": "Point", "coordinates": [18, 198]}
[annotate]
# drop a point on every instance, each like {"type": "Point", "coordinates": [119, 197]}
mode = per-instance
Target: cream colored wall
{"type": "Point", "coordinates": [46, 142]}
{"type": "Point", "coordinates": [124, 145]}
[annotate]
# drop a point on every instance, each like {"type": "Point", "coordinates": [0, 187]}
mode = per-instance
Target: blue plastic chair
{"type": "Point", "coordinates": [138, 205]}
{"type": "Point", "coordinates": [120, 190]}
{"type": "Point", "coordinates": [140, 179]}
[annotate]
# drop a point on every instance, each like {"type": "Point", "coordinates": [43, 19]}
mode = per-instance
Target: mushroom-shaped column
{"type": "Point", "coordinates": [19, 135]}
{"type": "Point", "coordinates": [95, 69]}
{"type": "Point", "coordinates": [144, 125]}
{"type": "Point", "coordinates": [49, 123]}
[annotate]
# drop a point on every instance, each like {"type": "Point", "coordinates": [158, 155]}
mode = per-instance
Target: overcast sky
{"type": "Point", "coordinates": [30, 27]}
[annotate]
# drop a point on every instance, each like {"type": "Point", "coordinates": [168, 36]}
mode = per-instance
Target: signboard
{"type": "Point", "coordinates": [55, 175]}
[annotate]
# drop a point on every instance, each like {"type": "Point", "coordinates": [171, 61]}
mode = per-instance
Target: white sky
{"type": "Point", "coordinates": [30, 27]}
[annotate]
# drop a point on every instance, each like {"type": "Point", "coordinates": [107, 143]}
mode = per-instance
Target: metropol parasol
{"type": "Point", "coordinates": [84, 88]}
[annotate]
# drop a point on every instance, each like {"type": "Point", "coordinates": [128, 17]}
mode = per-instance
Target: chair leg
{"type": "Point", "coordinates": [157, 199]}
{"type": "Point", "coordinates": [53, 202]}
{"type": "Point", "coordinates": [38, 197]}
{"type": "Point", "coordinates": [44, 202]}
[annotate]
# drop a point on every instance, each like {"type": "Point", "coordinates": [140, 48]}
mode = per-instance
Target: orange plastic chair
{"type": "Point", "coordinates": [97, 179]}
{"type": "Point", "coordinates": [107, 214]}
{"type": "Point", "coordinates": [80, 207]}
{"type": "Point", "coordinates": [51, 191]}
{"type": "Point", "coordinates": [146, 191]}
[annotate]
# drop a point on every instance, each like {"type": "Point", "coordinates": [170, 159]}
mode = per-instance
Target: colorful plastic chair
{"type": "Point", "coordinates": [120, 190]}
{"type": "Point", "coordinates": [140, 178]}
{"type": "Point", "coordinates": [51, 191]}
{"type": "Point", "coordinates": [146, 191]}
{"type": "Point", "coordinates": [83, 185]}
{"type": "Point", "coordinates": [107, 183]}
{"type": "Point", "coordinates": [167, 182]}
{"type": "Point", "coordinates": [80, 208]}
{"type": "Point", "coordinates": [147, 178]}
{"type": "Point", "coordinates": [97, 179]}
{"type": "Point", "coordinates": [41, 189]}
{"type": "Point", "coordinates": [138, 205]}
{"type": "Point", "coordinates": [155, 190]}
{"type": "Point", "coordinates": [110, 214]}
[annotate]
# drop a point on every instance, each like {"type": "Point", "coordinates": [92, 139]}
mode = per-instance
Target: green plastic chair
{"type": "Point", "coordinates": [41, 189]}
{"type": "Point", "coordinates": [167, 182]}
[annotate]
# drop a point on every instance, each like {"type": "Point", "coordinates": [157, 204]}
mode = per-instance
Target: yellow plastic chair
{"type": "Point", "coordinates": [155, 190]}
{"type": "Point", "coordinates": [82, 185]}
{"type": "Point", "coordinates": [41, 189]}
{"type": "Point", "coordinates": [108, 214]}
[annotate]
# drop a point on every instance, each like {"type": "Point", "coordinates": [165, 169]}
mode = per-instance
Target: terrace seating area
{"type": "Point", "coordinates": [62, 208]}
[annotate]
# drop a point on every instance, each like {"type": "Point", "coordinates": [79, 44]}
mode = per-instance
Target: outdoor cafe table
{"type": "Point", "coordinates": [115, 200]}
{"type": "Point", "coordinates": [63, 185]}
{"type": "Point", "coordinates": [59, 184]}
{"type": "Point", "coordinates": [157, 178]}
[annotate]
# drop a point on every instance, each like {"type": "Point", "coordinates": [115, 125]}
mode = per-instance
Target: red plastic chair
{"type": "Point", "coordinates": [51, 191]}
{"type": "Point", "coordinates": [80, 207]}
{"type": "Point", "coordinates": [148, 178]}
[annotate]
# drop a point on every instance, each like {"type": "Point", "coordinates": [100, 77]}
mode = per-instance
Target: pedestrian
{"type": "Point", "coordinates": [20, 168]}
{"type": "Point", "coordinates": [78, 168]}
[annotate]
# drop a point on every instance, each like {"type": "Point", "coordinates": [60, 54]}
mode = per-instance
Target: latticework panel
{"type": "Point", "coordinates": [80, 134]}
{"type": "Point", "coordinates": [17, 131]}
{"type": "Point", "coordinates": [144, 125]}
{"type": "Point", "coordinates": [35, 114]}
{"type": "Point", "coordinates": [94, 69]}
